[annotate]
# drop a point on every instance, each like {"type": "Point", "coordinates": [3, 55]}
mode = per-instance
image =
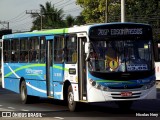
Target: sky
{"type": "Point", "coordinates": [14, 12]}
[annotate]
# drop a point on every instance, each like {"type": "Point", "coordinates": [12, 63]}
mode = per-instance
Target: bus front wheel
{"type": "Point", "coordinates": [71, 102]}
{"type": "Point", "coordinates": [23, 92]}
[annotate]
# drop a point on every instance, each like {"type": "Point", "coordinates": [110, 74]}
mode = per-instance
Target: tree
{"type": "Point", "coordinates": [54, 18]}
{"type": "Point", "coordinates": [51, 17]}
{"type": "Point", "coordinates": [143, 11]}
{"type": "Point", "coordinates": [93, 10]}
{"type": "Point", "coordinates": [79, 20]}
{"type": "Point", "coordinates": [69, 21]}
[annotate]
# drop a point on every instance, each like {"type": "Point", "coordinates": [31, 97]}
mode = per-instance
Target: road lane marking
{"type": "Point", "coordinates": [24, 110]}
{"type": "Point", "coordinates": [4, 109]}
{"type": "Point", "coordinates": [59, 118]}
{"type": "Point", "coordinates": [11, 107]}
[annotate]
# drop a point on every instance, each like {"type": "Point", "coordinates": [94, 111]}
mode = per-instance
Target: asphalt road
{"type": "Point", "coordinates": [51, 109]}
{"type": "Point", "coordinates": [48, 109]}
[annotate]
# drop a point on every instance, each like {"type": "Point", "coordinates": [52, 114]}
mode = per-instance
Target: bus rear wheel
{"type": "Point", "coordinates": [71, 103]}
{"type": "Point", "coordinates": [23, 93]}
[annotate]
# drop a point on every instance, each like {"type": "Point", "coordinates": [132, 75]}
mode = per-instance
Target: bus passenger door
{"type": "Point", "coordinates": [75, 65]}
{"type": "Point", "coordinates": [49, 64]}
{"type": "Point", "coordinates": [82, 68]}
{"type": "Point", "coordinates": [58, 67]}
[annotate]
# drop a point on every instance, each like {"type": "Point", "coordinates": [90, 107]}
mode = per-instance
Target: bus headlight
{"type": "Point", "coordinates": [98, 86]}
{"type": "Point", "coordinates": [149, 85]}
{"type": "Point", "coordinates": [93, 83]}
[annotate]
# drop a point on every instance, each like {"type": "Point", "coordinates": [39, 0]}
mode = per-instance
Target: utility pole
{"type": "Point", "coordinates": [4, 22]}
{"type": "Point", "coordinates": [106, 12]}
{"type": "Point", "coordinates": [36, 12]}
{"type": "Point", "coordinates": [122, 10]}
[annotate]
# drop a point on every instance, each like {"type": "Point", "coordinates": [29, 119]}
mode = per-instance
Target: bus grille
{"type": "Point", "coordinates": [118, 96]}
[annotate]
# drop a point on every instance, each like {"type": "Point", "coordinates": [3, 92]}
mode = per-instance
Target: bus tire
{"type": "Point", "coordinates": [71, 103]}
{"type": "Point", "coordinates": [23, 93]}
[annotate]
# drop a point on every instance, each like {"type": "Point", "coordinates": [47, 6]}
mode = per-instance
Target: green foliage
{"type": "Point", "coordinates": [69, 21]}
{"type": "Point", "coordinates": [93, 10]}
{"type": "Point", "coordinates": [143, 11]}
{"type": "Point", "coordinates": [141, 8]}
{"type": "Point", "coordinates": [79, 20]}
{"type": "Point", "coordinates": [51, 17]}
{"type": "Point", "coordinates": [54, 18]}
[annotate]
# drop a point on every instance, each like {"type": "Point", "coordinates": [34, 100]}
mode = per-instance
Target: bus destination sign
{"type": "Point", "coordinates": [120, 30]}
{"type": "Point", "coordinates": [126, 31]}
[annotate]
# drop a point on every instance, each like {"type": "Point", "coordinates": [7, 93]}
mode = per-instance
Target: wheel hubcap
{"type": "Point", "coordinates": [70, 98]}
{"type": "Point", "coordinates": [23, 93]}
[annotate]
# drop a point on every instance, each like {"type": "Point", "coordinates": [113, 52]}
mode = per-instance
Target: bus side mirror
{"type": "Point", "coordinates": [87, 47]}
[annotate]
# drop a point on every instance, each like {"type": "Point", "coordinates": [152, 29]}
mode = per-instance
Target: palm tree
{"type": "Point", "coordinates": [51, 17]}
{"type": "Point", "coordinates": [79, 20]}
{"type": "Point", "coordinates": [69, 21]}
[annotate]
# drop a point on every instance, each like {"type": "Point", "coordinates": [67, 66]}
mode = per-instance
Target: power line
{"type": "Point", "coordinates": [35, 12]}
{"type": "Point", "coordinates": [5, 22]}
{"type": "Point", "coordinates": [38, 13]}
{"type": "Point", "coordinates": [73, 9]}
{"type": "Point", "coordinates": [16, 16]}
{"type": "Point", "coordinates": [58, 2]}
{"type": "Point", "coordinates": [24, 25]}
{"type": "Point", "coordinates": [15, 25]}
{"type": "Point", "coordinates": [19, 20]}
{"type": "Point", "coordinates": [22, 16]}
{"type": "Point", "coordinates": [67, 4]}
{"type": "Point", "coordinates": [5, 27]}
{"type": "Point", "coordinates": [64, 3]}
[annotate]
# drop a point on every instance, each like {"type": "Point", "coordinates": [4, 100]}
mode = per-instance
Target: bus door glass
{"type": "Point", "coordinates": [49, 59]}
{"type": "Point", "coordinates": [58, 66]}
{"type": "Point", "coordinates": [82, 68]}
{"type": "Point", "coordinates": [71, 71]}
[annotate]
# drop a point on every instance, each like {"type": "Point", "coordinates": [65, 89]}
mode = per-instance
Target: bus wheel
{"type": "Point", "coordinates": [23, 92]}
{"type": "Point", "coordinates": [71, 102]}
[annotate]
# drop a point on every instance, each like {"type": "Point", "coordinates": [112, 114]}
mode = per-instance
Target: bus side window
{"type": "Point", "coordinates": [59, 49]}
{"type": "Point", "coordinates": [42, 49]}
{"type": "Point", "coordinates": [34, 49]}
{"type": "Point", "coordinates": [71, 49]}
{"type": "Point", "coordinates": [6, 50]}
{"type": "Point", "coordinates": [15, 50]}
{"type": "Point", "coordinates": [24, 50]}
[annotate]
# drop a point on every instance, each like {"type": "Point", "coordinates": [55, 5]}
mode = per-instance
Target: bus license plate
{"type": "Point", "coordinates": [126, 94]}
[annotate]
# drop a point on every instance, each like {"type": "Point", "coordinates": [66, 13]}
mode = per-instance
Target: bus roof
{"type": "Point", "coordinates": [83, 28]}
{"type": "Point", "coordinates": [36, 33]}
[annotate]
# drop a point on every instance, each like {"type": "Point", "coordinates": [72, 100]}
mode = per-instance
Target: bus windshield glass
{"type": "Point", "coordinates": [120, 55]}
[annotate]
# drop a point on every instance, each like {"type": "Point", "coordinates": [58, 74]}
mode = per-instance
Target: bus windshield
{"type": "Point", "coordinates": [120, 55]}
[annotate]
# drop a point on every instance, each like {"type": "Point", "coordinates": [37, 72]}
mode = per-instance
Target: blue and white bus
{"type": "Point", "coordinates": [90, 63]}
